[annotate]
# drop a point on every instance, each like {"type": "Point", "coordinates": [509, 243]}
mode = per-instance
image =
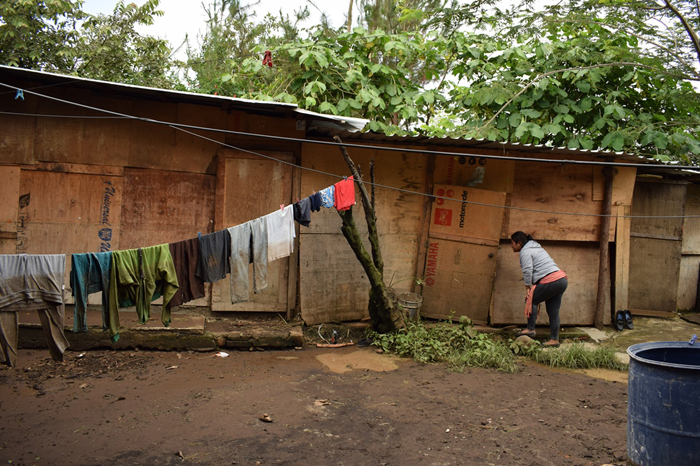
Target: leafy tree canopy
{"type": "Point", "coordinates": [58, 36]}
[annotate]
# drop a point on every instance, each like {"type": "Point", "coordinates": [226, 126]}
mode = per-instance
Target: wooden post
{"type": "Point", "coordinates": [603, 276]}
{"type": "Point", "coordinates": [622, 258]}
{"type": "Point", "coordinates": [425, 228]}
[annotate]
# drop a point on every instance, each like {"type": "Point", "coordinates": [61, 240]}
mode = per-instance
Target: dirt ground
{"type": "Point", "coordinates": [342, 406]}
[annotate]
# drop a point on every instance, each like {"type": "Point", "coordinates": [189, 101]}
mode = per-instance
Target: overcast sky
{"type": "Point", "coordinates": [186, 17]}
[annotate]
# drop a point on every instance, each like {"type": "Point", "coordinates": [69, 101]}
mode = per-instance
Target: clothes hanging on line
{"type": "Point", "coordinates": [214, 253]}
{"type": "Point", "coordinates": [280, 233]}
{"type": "Point", "coordinates": [185, 256]}
{"type": "Point", "coordinates": [32, 282]}
{"type": "Point", "coordinates": [302, 212]}
{"type": "Point", "coordinates": [138, 276]}
{"type": "Point", "coordinates": [328, 197]}
{"type": "Point", "coordinates": [89, 274]}
{"type": "Point", "coordinates": [315, 202]}
{"type": "Point", "coordinates": [345, 194]}
{"type": "Point", "coordinates": [248, 246]}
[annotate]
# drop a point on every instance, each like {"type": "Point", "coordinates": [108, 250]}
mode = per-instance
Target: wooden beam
{"type": "Point", "coordinates": [603, 276]}
{"type": "Point", "coordinates": [622, 258]}
{"type": "Point", "coordinates": [425, 227]}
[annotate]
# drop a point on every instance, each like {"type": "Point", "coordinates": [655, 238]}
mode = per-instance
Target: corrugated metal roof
{"type": "Point", "coordinates": [43, 79]}
{"type": "Point", "coordinates": [321, 131]}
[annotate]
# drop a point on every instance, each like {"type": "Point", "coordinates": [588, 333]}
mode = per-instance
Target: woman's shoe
{"type": "Point", "coordinates": [620, 320]}
{"type": "Point", "coordinates": [527, 333]}
{"type": "Point", "coordinates": [551, 344]}
{"type": "Point", "coordinates": [628, 320]}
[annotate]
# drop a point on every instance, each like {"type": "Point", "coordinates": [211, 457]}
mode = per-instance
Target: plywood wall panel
{"type": "Point", "coordinates": [580, 262]}
{"type": "Point", "coordinates": [688, 282]}
{"type": "Point", "coordinates": [164, 206]}
{"type": "Point", "coordinates": [654, 274]}
{"type": "Point", "coordinates": [334, 286]}
{"type": "Point", "coordinates": [106, 140]}
{"type": "Point", "coordinates": [192, 153]}
{"type": "Point", "coordinates": [250, 187]}
{"type": "Point", "coordinates": [554, 189]}
{"type": "Point", "coordinates": [151, 145]}
{"type": "Point", "coordinates": [18, 132]}
{"type": "Point", "coordinates": [658, 199]}
{"type": "Point", "coordinates": [9, 198]}
{"type": "Point", "coordinates": [64, 213]}
{"type": "Point", "coordinates": [691, 226]}
{"type": "Point", "coordinates": [59, 139]}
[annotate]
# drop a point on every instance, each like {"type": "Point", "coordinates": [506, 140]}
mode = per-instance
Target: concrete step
{"type": "Point", "coordinates": [187, 331]}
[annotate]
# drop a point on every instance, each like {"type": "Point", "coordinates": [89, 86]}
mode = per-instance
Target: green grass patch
{"type": "Point", "coordinates": [576, 356]}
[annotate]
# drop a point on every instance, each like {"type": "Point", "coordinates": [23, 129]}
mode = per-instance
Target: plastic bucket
{"type": "Point", "coordinates": [663, 419]}
{"type": "Point", "coordinates": [411, 303]}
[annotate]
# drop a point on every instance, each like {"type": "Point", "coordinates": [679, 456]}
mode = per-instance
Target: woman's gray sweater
{"type": "Point", "coordinates": [535, 262]}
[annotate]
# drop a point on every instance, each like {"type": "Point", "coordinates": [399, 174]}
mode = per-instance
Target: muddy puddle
{"type": "Point", "coordinates": [358, 360]}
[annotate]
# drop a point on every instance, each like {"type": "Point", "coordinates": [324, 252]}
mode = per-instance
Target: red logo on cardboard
{"type": "Point", "coordinates": [440, 201]}
{"type": "Point", "coordinates": [443, 217]}
{"type": "Point", "coordinates": [450, 193]}
{"type": "Point", "coordinates": [441, 192]}
{"type": "Point", "coordinates": [429, 281]}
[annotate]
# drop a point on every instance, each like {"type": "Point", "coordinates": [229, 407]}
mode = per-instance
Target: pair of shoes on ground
{"type": "Point", "coordinates": [623, 319]}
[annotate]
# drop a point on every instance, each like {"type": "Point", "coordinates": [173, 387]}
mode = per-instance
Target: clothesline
{"type": "Point", "coordinates": [135, 277]}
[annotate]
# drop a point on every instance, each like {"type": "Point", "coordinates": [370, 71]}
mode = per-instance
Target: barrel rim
{"type": "Point", "coordinates": [634, 349]}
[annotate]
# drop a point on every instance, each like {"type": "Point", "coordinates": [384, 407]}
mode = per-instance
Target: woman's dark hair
{"type": "Point", "coordinates": [520, 237]}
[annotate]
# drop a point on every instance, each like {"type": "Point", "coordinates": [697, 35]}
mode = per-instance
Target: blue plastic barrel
{"type": "Point", "coordinates": [663, 404]}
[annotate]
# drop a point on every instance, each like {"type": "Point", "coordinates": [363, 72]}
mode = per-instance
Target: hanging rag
{"type": "Point", "coordinates": [328, 196]}
{"type": "Point", "coordinates": [248, 246]}
{"type": "Point", "coordinates": [89, 274]}
{"type": "Point", "coordinates": [139, 276]}
{"type": "Point", "coordinates": [185, 256]}
{"type": "Point", "coordinates": [214, 254]}
{"type": "Point", "coordinates": [302, 212]}
{"type": "Point", "coordinates": [280, 233]}
{"type": "Point", "coordinates": [267, 58]}
{"type": "Point", "coordinates": [345, 194]}
{"type": "Point", "coordinates": [552, 277]}
{"type": "Point", "coordinates": [32, 282]}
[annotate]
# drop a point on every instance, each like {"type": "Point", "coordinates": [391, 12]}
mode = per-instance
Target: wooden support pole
{"type": "Point", "coordinates": [603, 275]}
{"type": "Point", "coordinates": [622, 258]}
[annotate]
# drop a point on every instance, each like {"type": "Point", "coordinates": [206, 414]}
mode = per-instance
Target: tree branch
{"type": "Point", "coordinates": [688, 27]}
{"type": "Point", "coordinates": [367, 204]}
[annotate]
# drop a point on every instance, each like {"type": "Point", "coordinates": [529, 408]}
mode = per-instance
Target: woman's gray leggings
{"type": "Point", "coordinates": [550, 294]}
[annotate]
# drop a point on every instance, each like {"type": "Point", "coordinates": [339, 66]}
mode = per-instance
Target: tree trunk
{"type": "Point", "coordinates": [385, 315]}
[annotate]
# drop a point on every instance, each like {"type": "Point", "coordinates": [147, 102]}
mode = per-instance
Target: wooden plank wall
{"type": "Point", "coordinates": [656, 245]}
{"type": "Point", "coordinates": [690, 261]}
{"type": "Point", "coordinates": [333, 283]}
